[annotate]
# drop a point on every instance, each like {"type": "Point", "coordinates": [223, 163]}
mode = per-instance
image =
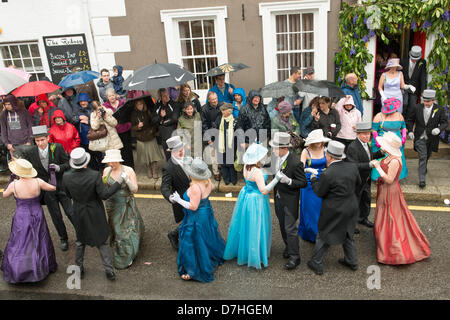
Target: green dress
{"type": "Point", "coordinates": [126, 224]}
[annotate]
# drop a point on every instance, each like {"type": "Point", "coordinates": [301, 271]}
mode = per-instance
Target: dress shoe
{"type": "Point", "coordinates": [422, 185]}
{"type": "Point", "coordinates": [366, 223]}
{"type": "Point", "coordinates": [292, 264]}
{"type": "Point", "coordinates": [356, 231]}
{"type": "Point", "coordinates": [285, 254]}
{"type": "Point", "coordinates": [64, 245]}
{"type": "Point", "coordinates": [173, 237]}
{"type": "Point", "coordinates": [354, 267]}
{"type": "Point", "coordinates": [110, 275]}
{"type": "Point", "coordinates": [315, 267]}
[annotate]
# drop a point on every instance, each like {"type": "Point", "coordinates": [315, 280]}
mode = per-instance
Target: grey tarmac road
{"type": "Point", "coordinates": [159, 280]}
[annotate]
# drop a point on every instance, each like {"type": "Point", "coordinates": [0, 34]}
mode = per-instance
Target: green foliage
{"type": "Point", "coordinates": [392, 16]}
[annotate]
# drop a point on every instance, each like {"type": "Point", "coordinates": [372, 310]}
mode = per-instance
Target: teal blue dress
{"type": "Point", "coordinates": [382, 128]}
{"type": "Point", "coordinates": [201, 245]}
{"type": "Point", "coordinates": [250, 232]}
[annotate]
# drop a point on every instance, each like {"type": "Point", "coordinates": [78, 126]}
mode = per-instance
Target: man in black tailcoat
{"type": "Point", "coordinates": [174, 178]}
{"type": "Point", "coordinates": [337, 188]}
{"type": "Point", "coordinates": [360, 153]}
{"type": "Point", "coordinates": [287, 194]}
{"type": "Point", "coordinates": [86, 188]}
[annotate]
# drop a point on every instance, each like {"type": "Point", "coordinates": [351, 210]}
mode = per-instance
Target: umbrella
{"type": "Point", "coordinates": [19, 72]}
{"type": "Point", "coordinates": [77, 78]}
{"type": "Point", "coordinates": [123, 114]}
{"type": "Point", "coordinates": [277, 89]}
{"type": "Point", "coordinates": [319, 87]}
{"type": "Point", "coordinates": [35, 88]}
{"type": "Point", "coordinates": [9, 81]}
{"type": "Point", "coordinates": [158, 75]}
{"type": "Point", "coordinates": [226, 67]}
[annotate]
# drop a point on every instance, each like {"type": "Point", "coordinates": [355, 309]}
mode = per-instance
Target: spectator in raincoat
{"type": "Point", "coordinates": [63, 132]}
{"type": "Point", "coordinates": [42, 115]}
{"type": "Point", "coordinates": [239, 100]}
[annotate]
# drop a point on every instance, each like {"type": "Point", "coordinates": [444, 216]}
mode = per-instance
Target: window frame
{"type": "Point", "coordinates": [31, 57]}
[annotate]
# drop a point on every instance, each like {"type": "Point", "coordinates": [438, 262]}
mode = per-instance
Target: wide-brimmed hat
{"type": "Point", "coordinates": [281, 140]}
{"type": "Point", "coordinates": [415, 52]}
{"type": "Point", "coordinates": [198, 169]}
{"type": "Point", "coordinates": [335, 149]}
{"type": "Point", "coordinates": [316, 136]}
{"type": "Point", "coordinates": [79, 158]}
{"type": "Point", "coordinates": [174, 143]}
{"type": "Point", "coordinates": [112, 155]}
{"type": "Point", "coordinates": [363, 127]}
{"type": "Point", "coordinates": [391, 105]}
{"type": "Point", "coordinates": [390, 143]}
{"type": "Point", "coordinates": [394, 63]}
{"type": "Point", "coordinates": [429, 94]}
{"type": "Point", "coordinates": [255, 153]}
{"type": "Point", "coordinates": [22, 168]}
{"type": "Point", "coordinates": [39, 131]}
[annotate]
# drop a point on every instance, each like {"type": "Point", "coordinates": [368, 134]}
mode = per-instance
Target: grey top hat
{"type": "Point", "coordinates": [429, 94]}
{"type": "Point", "coordinates": [174, 143]}
{"type": "Point", "coordinates": [226, 106]}
{"type": "Point", "coordinates": [79, 158]}
{"type": "Point", "coordinates": [335, 149]}
{"type": "Point", "coordinates": [416, 52]}
{"type": "Point", "coordinates": [363, 126]}
{"type": "Point", "coordinates": [198, 169]}
{"type": "Point", "coordinates": [39, 131]}
{"type": "Point", "coordinates": [281, 140]}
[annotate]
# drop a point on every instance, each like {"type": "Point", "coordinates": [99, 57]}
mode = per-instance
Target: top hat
{"type": "Point", "coordinates": [174, 143]}
{"type": "Point", "coordinates": [316, 136]}
{"type": "Point", "coordinates": [255, 153]}
{"type": "Point", "coordinates": [394, 63]}
{"type": "Point", "coordinates": [335, 149]}
{"type": "Point", "coordinates": [22, 168]}
{"type": "Point", "coordinates": [198, 169]}
{"type": "Point", "coordinates": [390, 143]}
{"type": "Point", "coordinates": [363, 126]}
{"type": "Point", "coordinates": [112, 155]}
{"type": "Point", "coordinates": [391, 105]}
{"type": "Point", "coordinates": [79, 158]}
{"type": "Point", "coordinates": [39, 131]}
{"type": "Point", "coordinates": [416, 52]}
{"type": "Point", "coordinates": [281, 140]}
{"type": "Point", "coordinates": [429, 94]}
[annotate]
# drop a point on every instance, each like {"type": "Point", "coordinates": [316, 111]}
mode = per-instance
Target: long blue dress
{"type": "Point", "coordinates": [382, 128]}
{"type": "Point", "coordinates": [310, 203]}
{"type": "Point", "coordinates": [29, 255]}
{"type": "Point", "coordinates": [201, 245]}
{"type": "Point", "coordinates": [250, 232]}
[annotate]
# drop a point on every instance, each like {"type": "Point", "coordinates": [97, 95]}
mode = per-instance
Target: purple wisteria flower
{"type": "Point", "coordinates": [339, 79]}
{"type": "Point", "coordinates": [446, 70]}
{"type": "Point", "coordinates": [436, 63]}
{"type": "Point", "coordinates": [400, 26]}
{"type": "Point", "coordinates": [446, 15]}
{"type": "Point", "coordinates": [441, 35]}
{"type": "Point", "coordinates": [427, 24]}
{"type": "Point", "coordinates": [365, 21]}
{"type": "Point", "coordinates": [365, 39]}
{"type": "Point", "coordinates": [355, 18]}
{"type": "Point", "coordinates": [363, 75]}
{"type": "Point", "coordinates": [355, 35]}
{"type": "Point", "coordinates": [371, 33]}
{"type": "Point", "coordinates": [386, 29]}
{"type": "Point", "coordinates": [352, 51]}
{"type": "Point", "coordinates": [413, 25]}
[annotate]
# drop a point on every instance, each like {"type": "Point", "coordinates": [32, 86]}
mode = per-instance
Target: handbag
{"type": "Point", "coordinates": [100, 133]}
{"type": "Point", "coordinates": [99, 144]}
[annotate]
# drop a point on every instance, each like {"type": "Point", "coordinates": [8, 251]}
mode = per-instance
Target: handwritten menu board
{"type": "Point", "coordinates": [64, 53]}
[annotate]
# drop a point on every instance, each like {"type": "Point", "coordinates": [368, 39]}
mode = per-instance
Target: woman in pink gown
{"type": "Point", "coordinates": [398, 236]}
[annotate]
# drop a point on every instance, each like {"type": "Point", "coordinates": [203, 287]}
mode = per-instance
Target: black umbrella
{"type": "Point", "coordinates": [319, 87]}
{"type": "Point", "coordinates": [226, 67]}
{"type": "Point", "coordinates": [158, 75]}
{"type": "Point", "coordinates": [277, 89]}
{"type": "Point", "coordinates": [123, 114]}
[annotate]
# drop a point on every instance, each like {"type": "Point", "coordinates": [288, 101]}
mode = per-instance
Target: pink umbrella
{"type": "Point", "coordinates": [19, 72]}
{"type": "Point", "coordinates": [9, 81]}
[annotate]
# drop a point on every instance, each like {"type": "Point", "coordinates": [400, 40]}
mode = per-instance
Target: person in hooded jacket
{"type": "Point", "coordinates": [239, 100]}
{"type": "Point", "coordinates": [69, 104]}
{"type": "Point", "coordinates": [42, 115]}
{"type": "Point", "coordinates": [63, 132]}
{"type": "Point", "coordinates": [118, 80]}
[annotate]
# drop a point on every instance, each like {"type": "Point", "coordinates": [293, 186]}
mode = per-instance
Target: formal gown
{"type": "Point", "coordinates": [250, 232]}
{"type": "Point", "coordinates": [310, 203]}
{"type": "Point", "coordinates": [126, 225]}
{"type": "Point", "coordinates": [201, 245]}
{"type": "Point", "coordinates": [382, 128]}
{"type": "Point", "coordinates": [29, 255]}
{"type": "Point", "coordinates": [398, 236]}
{"type": "Point", "coordinates": [392, 89]}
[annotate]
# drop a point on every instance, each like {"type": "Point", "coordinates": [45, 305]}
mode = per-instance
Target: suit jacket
{"type": "Point", "coordinates": [358, 155]}
{"type": "Point", "coordinates": [419, 76]}
{"type": "Point", "coordinates": [290, 194]}
{"type": "Point", "coordinates": [337, 188]}
{"type": "Point", "coordinates": [438, 119]}
{"type": "Point", "coordinates": [86, 188]}
{"type": "Point", "coordinates": [174, 179]}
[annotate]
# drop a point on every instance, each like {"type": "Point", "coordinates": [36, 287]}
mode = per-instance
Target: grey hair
{"type": "Point", "coordinates": [110, 90]}
{"type": "Point", "coordinates": [210, 93]}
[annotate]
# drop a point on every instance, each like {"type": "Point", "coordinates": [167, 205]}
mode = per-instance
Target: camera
{"type": "Point", "coordinates": [103, 112]}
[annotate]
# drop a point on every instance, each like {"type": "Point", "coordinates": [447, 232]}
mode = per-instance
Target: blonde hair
{"type": "Point", "coordinates": [95, 105]}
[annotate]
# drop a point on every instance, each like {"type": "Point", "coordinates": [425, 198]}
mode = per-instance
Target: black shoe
{"type": "Point", "coordinates": [285, 254]}
{"type": "Point", "coordinates": [366, 223]}
{"type": "Point", "coordinates": [173, 237]}
{"type": "Point", "coordinates": [110, 275]}
{"type": "Point", "coordinates": [422, 185]}
{"type": "Point", "coordinates": [64, 245]}
{"type": "Point", "coordinates": [354, 267]}
{"type": "Point", "coordinates": [315, 267]}
{"type": "Point", "coordinates": [357, 231]}
{"type": "Point", "coordinates": [292, 264]}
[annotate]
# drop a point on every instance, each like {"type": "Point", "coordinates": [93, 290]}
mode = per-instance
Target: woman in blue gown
{"type": "Point", "coordinates": [313, 156]}
{"type": "Point", "coordinates": [250, 232]}
{"type": "Point", "coordinates": [389, 119]}
{"type": "Point", "coordinates": [29, 254]}
{"type": "Point", "coordinates": [201, 245]}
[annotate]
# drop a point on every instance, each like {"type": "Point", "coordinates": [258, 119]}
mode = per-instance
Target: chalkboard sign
{"type": "Point", "coordinates": [65, 53]}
